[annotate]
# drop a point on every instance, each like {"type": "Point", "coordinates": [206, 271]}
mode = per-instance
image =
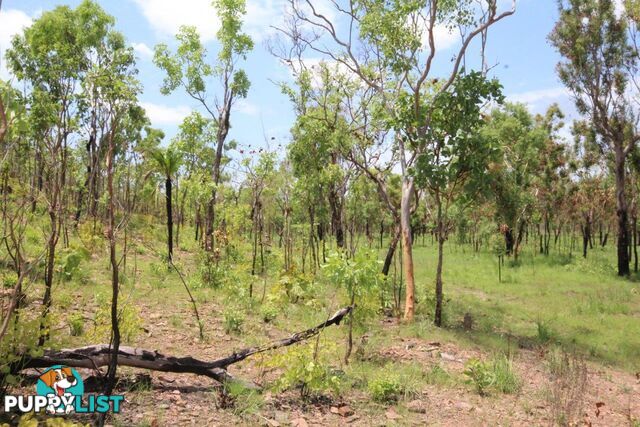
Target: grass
{"type": "Point", "coordinates": [555, 301]}
{"type": "Point", "coordinates": [578, 303]}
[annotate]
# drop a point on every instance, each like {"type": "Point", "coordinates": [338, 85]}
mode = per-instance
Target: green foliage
{"type": "Point", "coordinates": [232, 320]}
{"type": "Point", "coordinates": [480, 375]}
{"type": "Point", "coordinates": [359, 276]}
{"type": "Point", "coordinates": [29, 420]}
{"type": "Point", "coordinates": [385, 389]}
{"type": "Point", "coordinates": [129, 321]}
{"type": "Point", "coordinates": [76, 324]}
{"type": "Point", "coordinates": [269, 312]}
{"type": "Point", "coordinates": [69, 261]}
{"type": "Point", "coordinates": [544, 332]}
{"type": "Point", "coordinates": [245, 401]}
{"type": "Point", "coordinates": [21, 338]}
{"type": "Point", "coordinates": [301, 371]}
{"type": "Point", "coordinates": [291, 288]}
{"type": "Point", "coordinates": [497, 374]}
{"type": "Point", "coordinates": [506, 379]}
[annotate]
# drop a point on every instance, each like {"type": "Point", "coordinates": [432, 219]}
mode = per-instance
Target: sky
{"type": "Point", "coordinates": [517, 46]}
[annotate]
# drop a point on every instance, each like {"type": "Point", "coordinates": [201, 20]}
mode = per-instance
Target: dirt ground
{"type": "Point", "coordinates": [167, 399]}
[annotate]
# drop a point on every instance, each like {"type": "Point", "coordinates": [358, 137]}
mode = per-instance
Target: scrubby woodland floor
{"type": "Point", "coordinates": [532, 319]}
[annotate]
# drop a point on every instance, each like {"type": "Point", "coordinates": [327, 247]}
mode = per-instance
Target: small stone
{"type": "Point", "coordinates": [345, 411]}
{"type": "Point", "coordinates": [447, 356]}
{"type": "Point", "coordinates": [334, 410]}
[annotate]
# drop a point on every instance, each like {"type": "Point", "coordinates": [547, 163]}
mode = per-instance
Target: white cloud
{"type": "Point", "coordinates": [245, 107]}
{"type": "Point", "coordinates": [12, 22]}
{"type": "Point", "coordinates": [165, 115]}
{"type": "Point", "coordinates": [534, 96]}
{"type": "Point", "coordinates": [443, 37]}
{"type": "Point", "coordinates": [142, 50]}
{"type": "Point", "coordinates": [167, 16]}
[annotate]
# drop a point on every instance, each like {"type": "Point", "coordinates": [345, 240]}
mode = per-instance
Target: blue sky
{"type": "Point", "coordinates": [518, 45]}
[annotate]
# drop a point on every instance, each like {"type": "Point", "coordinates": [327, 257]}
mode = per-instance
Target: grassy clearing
{"type": "Point", "coordinates": [578, 303]}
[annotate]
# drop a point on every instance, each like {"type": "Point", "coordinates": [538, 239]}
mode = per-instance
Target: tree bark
{"type": "Point", "coordinates": [621, 212]}
{"type": "Point", "coordinates": [168, 185]}
{"type": "Point", "coordinates": [407, 250]}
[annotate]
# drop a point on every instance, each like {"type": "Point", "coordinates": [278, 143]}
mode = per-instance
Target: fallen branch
{"type": "Point", "coordinates": [95, 356]}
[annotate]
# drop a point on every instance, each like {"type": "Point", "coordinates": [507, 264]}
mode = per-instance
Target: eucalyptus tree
{"type": "Point", "coordinates": [520, 140]}
{"type": "Point", "coordinates": [192, 140]}
{"type": "Point", "coordinates": [553, 179]}
{"type": "Point", "coordinates": [188, 69]}
{"type": "Point", "coordinates": [455, 157]}
{"type": "Point", "coordinates": [599, 67]}
{"type": "Point", "coordinates": [390, 47]}
{"type": "Point", "coordinates": [52, 58]}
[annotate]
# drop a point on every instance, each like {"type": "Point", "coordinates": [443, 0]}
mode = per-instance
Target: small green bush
{"type": "Point", "coordinates": [76, 325]}
{"type": "Point", "coordinates": [480, 375]}
{"type": "Point", "coordinates": [301, 371]}
{"type": "Point", "coordinates": [269, 312]}
{"type": "Point", "coordinates": [232, 320]}
{"type": "Point", "coordinates": [497, 374]}
{"type": "Point", "coordinates": [385, 389]}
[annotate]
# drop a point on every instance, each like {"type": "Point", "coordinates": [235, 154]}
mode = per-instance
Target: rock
{"type": "Point", "coordinates": [273, 423]}
{"type": "Point", "coordinates": [417, 406]}
{"type": "Point", "coordinates": [447, 356]}
{"type": "Point", "coordinates": [334, 410]}
{"type": "Point", "coordinates": [345, 411]}
{"type": "Point", "coordinates": [352, 419]}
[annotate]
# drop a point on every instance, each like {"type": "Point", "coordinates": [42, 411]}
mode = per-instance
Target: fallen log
{"type": "Point", "coordinates": [95, 356]}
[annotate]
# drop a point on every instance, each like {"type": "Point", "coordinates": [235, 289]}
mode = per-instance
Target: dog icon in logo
{"type": "Point", "coordinates": [60, 381]}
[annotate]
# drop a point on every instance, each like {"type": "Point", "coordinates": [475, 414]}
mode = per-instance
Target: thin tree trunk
{"type": "Point", "coordinates": [168, 188]}
{"type": "Point", "coordinates": [407, 255]}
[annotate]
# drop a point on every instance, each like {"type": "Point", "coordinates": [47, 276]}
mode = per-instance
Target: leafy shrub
{"type": "Point", "coordinates": [69, 261]}
{"type": "Point", "coordinates": [497, 374]}
{"type": "Point", "coordinates": [129, 321]}
{"type": "Point", "coordinates": [9, 280]}
{"type": "Point", "coordinates": [232, 320]}
{"type": "Point", "coordinates": [385, 389]}
{"type": "Point", "coordinates": [21, 338]}
{"type": "Point", "coordinates": [291, 288]}
{"type": "Point", "coordinates": [76, 325]}
{"type": "Point", "coordinates": [269, 312]}
{"type": "Point", "coordinates": [480, 375]}
{"type": "Point", "coordinates": [301, 371]}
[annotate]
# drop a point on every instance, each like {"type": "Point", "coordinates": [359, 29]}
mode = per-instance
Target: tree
{"type": "Point", "coordinates": [167, 163]}
{"type": "Point", "coordinates": [390, 48]}
{"type": "Point", "coordinates": [599, 68]}
{"type": "Point", "coordinates": [187, 68]}
{"type": "Point", "coordinates": [51, 56]}
{"type": "Point", "coordinates": [455, 157]}
{"type": "Point", "coordinates": [514, 130]}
